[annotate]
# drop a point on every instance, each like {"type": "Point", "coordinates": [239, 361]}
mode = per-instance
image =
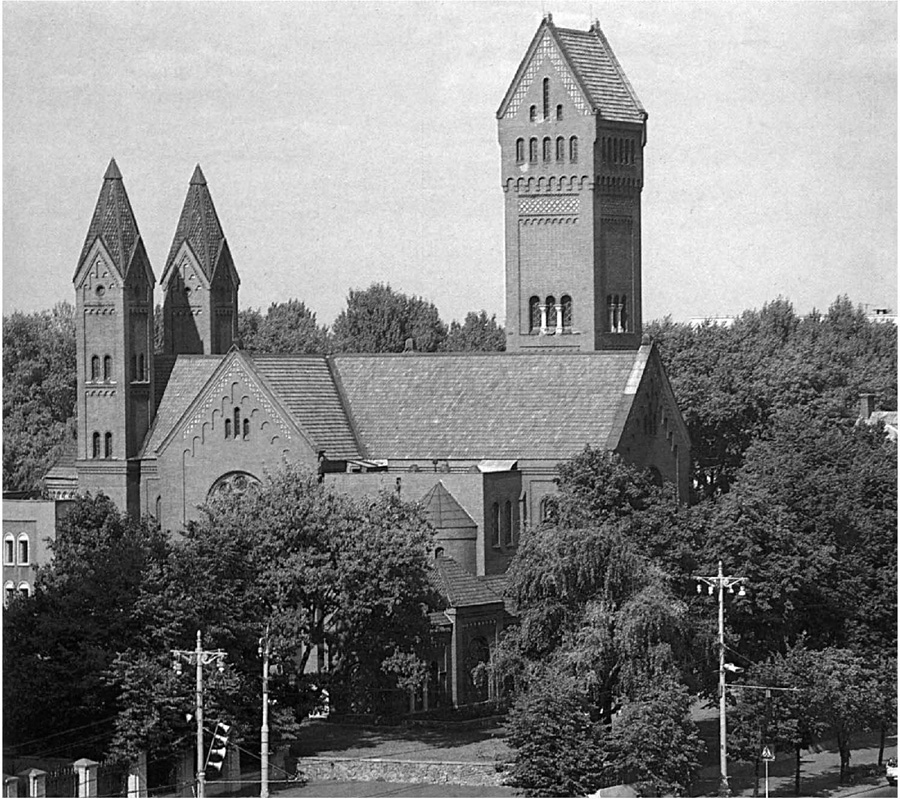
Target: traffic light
{"type": "Point", "coordinates": [217, 750]}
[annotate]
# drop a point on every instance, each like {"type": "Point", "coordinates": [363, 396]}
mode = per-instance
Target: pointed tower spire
{"type": "Point", "coordinates": [198, 177]}
{"type": "Point", "coordinates": [113, 222]}
{"type": "Point", "coordinates": [199, 226]}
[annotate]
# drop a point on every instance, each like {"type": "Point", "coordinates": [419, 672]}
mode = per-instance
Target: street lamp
{"type": "Point", "coordinates": [199, 658]}
{"type": "Point", "coordinates": [722, 582]}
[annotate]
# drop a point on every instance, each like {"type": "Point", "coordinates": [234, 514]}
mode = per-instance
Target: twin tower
{"type": "Point", "coordinates": [572, 133]}
{"type": "Point", "coordinates": [119, 379]}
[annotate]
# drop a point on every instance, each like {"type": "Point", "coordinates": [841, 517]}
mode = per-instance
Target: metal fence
{"type": "Point", "coordinates": [112, 780]}
{"type": "Point", "coordinates": [62, 782]}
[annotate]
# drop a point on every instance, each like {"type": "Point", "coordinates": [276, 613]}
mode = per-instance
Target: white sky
{"type": "Point", "coordinates": [346, 143]}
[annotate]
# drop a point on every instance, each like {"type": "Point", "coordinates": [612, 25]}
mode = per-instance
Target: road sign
{"type": "Point", "coordinates": [768, 753]}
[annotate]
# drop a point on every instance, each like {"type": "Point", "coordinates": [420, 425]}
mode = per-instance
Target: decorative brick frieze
{"type": "Point", "coordinates": [551, 205]}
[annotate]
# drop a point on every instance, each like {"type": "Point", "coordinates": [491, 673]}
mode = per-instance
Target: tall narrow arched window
{"type": "Point", "coordinates": [107, 368]}
{"type": "Point", "coordinates": [508, 521]}
{"type": "Point", "coordinates": [560, 148]}
{"type": "Point", "coordinates": [532, 113]}
{"type": "Point", "coordinates": [9, 550]}
{"type": "Point", "coordinates": [228, 428]}
{"type": "Point", "coordinates": [495, 524]}
{"type": "Point", "coordinates": [631, 150]}
{"type": "Point", "coordinates": [546, 97]}
{"type": "Point", "coordinates": [520, 150]}
{"type": "Point", "coordinates": [24, 550]}
{"type": "Point", "coordinates": [95, 449]}
{"type": "Point", "coordinates": [237, 422]}
{"type": "Point", "coordinates": [95, 368]}
{"type": "Point", "coordinates": [551, 312]}
{"type": "Point", "coordinates": [559, 113]}
{"type": "Point", "coordinates": [623, 315]}
{"type": "Point", "coordinates": [566, 302]}
{"type": "Point", "coordinates": [573, 149]}
{"type": "Point", "coordinates": [246, 428]}
{"type": "Point", "coordinates": [533, 150]}
{"type": "Point", "coordinates": [142, 367]}
{"type": "Point", "coordinates": [24, 589]}
{"type": "Point", "coordinates": [107, 447]}
{"type": "Point", "coordinates": [534, 314]}
{"type": "Point", "coordinates": [548, 148]}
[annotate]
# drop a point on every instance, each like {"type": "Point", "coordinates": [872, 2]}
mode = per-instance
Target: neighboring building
{"type": "Point", "coordinates": [714, 321]}
{"type": "Point", "coordinates": [28, 527]}
{"type": "Point", "coordinates": [882, 316]}
{"type": "Point", "coordinates": [474, 437]}
{"type": "Point", "coordinates": [868, 415]}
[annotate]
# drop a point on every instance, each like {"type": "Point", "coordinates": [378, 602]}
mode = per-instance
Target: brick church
{"type": "Point", "coordinates": [473, 437]}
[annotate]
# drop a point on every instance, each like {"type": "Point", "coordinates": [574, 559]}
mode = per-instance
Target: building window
{"type": "Point", "coordinates": [618, 316]}
{"type": "Point", "coordinates": [24, 589]}
{"type": "Point", "coordinates": [495, 524]}
{"type": "Point", "coordinates": [533, 150]}
{"type": "Point", "coordinates": [544, 509]}
{"type": "Point", "coordinates": [95, 368]}
{"type": "Point", "coordinates": [107, 446]}
{"type": "Point", "coordinates": [24, 550]}
{"type": "Point", "coordinates": [566, 302]}
{"type": "Point", "coordinates": [559, 113]}
{"type": "Point", "coordinates": [10, 589]}
{"type": "Point", "coordinates": [9, 550]}
{"type": "Point", "coordinates": [532, 113]}
{"type": "Point", "coordinates": [95, 449]}
{"type": "Point", "coordinates": [534, 314]}
{"type": "Point", "coordinates": [142, 368]}
{"type": "Point", "coordinates": [107, 368]}
{"type": "Point", "coordinates": [546, 98]}
{"type": "Point", "coordinates": [520, 150]}
{"type": "Point", "coordinates": [237, 423]}
{"type": "Point", "coordinates": [548, 148]}
{"type": "Point", "coordinates": [228, 428]}
{"type": "Point", "coordinates": [551, 312]}
{"type": "Point", "coordinates": [631, 150]}
{"type": "Point", "coordinates": [509, 523]}
{"type": "Point", "coordinates": [573, 149]}
{"type": "Point", "coordinates": [523, 512]}
{"type": "Point", "coordinates": [246, 428]}
{"type": "Point", "coordinates": [560, 149]}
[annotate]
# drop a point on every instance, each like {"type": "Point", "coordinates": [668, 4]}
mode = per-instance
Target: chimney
{"type": "Point", "coordinates": [866, 405]}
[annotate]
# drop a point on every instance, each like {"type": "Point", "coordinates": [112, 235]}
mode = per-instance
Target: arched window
{"type": "Point", "coordinates": [551, 312]}
{"type": "Point", "coordinates": [523, 512]}
{"type": "Point", "coordinates": [560, 148]}
{"type": "Point", "coordinates": [573, 149]}
{"type": "Point", "coordinates": [95, 449]}
{"type": "Point", "coordinates": [559, 113]}
{"type": "Point", "coordinates": [544, 509]}
{"type": "Point", "coordinates": [9, 590]}
{"type": "Point", "coordinates": [237, 422]}
{"type": "Point", "coordinates": [509, 523]}
{"type": "Point", "coordinates": [142, 367]}
{"type": "Point", "coordinates": [532, 113]}
{"type": "Point", "coordinates": [534, 314]}
{"type": "Point", "coordinates": [107, 368]}
{"type": "Point", "coordinates": [24, 550]}
{"type": "Point", "coordinates": [108, 452]}
{"type": "Point", "coordinates": [9, 550]}
{"type": "Point", "coordinates": [246, 428]}
{"type": "Point", "coordinates": [623, 315]}
{"type": "Point", "coordinates": [631, 149]}
{"type": "Point", "coordinates": [228, 428]}
{"type": "Point", "coordinates": [546, 98]}
{"type": "Point", "coordinates": [234, 482]}
{"type": "Point", "coordinates": [24, 589]}
{"type": "Point", "coordinates": [495, 524]}
{"type": "Point", "coordinates": [548, 148]}
{"type": "Point", "coordinates": [533, 150]}
{"type": "Point", "coordinates": [520, 150]}
{"type": "Point", "coordinates": [95, 368]}
{"type": "Point", "coordinates": [566, 302]}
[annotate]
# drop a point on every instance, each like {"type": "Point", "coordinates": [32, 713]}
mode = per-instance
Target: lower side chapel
{"type": "Point", "coordinates": [473, 437]}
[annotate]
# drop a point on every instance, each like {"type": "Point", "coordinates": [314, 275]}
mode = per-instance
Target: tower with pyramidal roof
{"type": "Point", "coordinates": [572, 133]}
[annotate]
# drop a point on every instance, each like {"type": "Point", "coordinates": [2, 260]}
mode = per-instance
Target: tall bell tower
{"type": "Point", "coordinates": [572, 133]}
{"type": "Point", "coordinates": [114, 348]}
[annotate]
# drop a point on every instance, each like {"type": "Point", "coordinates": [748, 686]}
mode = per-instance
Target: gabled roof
{"type": "Point", "coordinates": [442, 510]}
{"type": "Point", "coordinates": [534, 406]}
{"type": "Point", "coordinates": [600, 80]}
{"type": "Point", "coordinates": [459, 588]}
{"type": "Point", "coordinates": [113, 222]}
{"type": "Point", "coordinates": [199, 226]}
{"type": "Point", "coordinates": [307, 388]}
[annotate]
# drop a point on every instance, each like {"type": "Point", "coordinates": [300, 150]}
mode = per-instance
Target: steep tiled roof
{"type": "Point", "coordinates": [113, 221]}
{"type": "Point", "coordinates": [470, 405]}
{"type": "Point", "coordinates": [189, 374]}
{"type": "Point", "coordinates": [459, 588]}
{"type": "Point", "coordinates": [443, 511]}
{"type": "Point", "coordinates": [601, 74]}
{"type": "Point", "coordinates": [199, 226]}
{"type": "Point", "coordinates": [305, 385]}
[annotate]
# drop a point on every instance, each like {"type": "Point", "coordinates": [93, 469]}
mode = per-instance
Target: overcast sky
{"type": "Point", "coordinates": [347, 143]}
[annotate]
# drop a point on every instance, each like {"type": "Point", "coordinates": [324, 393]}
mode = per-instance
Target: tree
{"type": "Point", "coordinates": [58, 644]}
{"type": "Point", "coordinates": [288, 327]}
{"type": "Point", "coordinates": [38, 394]}
{"type": "Point", "coordinates": [379, 319]}
{"type": "Point", "coordinates": [479, 333]}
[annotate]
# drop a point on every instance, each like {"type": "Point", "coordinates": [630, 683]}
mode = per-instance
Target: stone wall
{"type": "Point", "coordinates": [382, 770]}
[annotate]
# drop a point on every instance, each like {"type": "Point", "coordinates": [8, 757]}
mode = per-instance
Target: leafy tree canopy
{"type": "Point", "coordinates": [287, 327]}
{"type": "Point", "coordinates": [478, 333]}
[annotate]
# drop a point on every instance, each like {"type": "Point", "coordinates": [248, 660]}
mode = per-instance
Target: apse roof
{"type": "Point", "coordinates": [443, 511]}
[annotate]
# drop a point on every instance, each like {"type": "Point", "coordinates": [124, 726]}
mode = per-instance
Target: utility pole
{"type": "Point", "coordinates": [722, 582]}
{"type": "Point", "coordinates": [264, 651]}
{"type": "Point", "coordinates": [199, 658]}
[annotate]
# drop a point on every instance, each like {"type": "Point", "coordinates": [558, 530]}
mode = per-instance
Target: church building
{"type": "Point", "coordinates": [473, 437]}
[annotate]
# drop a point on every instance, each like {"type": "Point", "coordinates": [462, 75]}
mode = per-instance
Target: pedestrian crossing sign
{"type": "Point", "coordinates": [768, 753]}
